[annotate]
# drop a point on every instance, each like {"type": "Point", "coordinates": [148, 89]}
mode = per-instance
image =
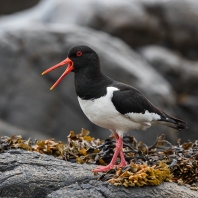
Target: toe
{"type": "Point", "coordinates": [122, 164]}
{"type": "Point", "coordinates": [102, 168]}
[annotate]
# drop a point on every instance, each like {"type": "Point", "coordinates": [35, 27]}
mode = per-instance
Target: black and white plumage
{"type": "Point", "coordinates": [111, 104]}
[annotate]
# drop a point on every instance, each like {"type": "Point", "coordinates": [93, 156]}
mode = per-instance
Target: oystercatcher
{"type": "Point", "coordinates": [108, 103]}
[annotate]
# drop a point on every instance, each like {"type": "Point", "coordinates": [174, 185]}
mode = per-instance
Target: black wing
{"type": "Point", "coordinates": [129, 100]}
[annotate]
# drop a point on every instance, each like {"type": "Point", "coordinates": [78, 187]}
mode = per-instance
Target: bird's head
{"type": "Point", "coordinates": [79, 57]}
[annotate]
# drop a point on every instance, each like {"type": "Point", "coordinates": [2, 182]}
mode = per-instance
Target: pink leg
{"type": "Point", "coordinates": [119, 145]}
{"type": "Point", "coordinates": [123, 161]}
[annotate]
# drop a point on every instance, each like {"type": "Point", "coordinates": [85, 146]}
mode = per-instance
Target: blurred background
{"type": "Point", "coordinates": [149, 44]}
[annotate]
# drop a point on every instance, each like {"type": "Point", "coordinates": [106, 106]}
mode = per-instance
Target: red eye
{"type": "Point", "coordinates": [78, 53]}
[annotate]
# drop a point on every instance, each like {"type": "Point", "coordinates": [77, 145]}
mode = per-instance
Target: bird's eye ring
{"type": "Point", "coordinates": [79, 53]}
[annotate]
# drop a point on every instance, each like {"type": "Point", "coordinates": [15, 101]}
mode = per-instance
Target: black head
{"type": "Point", "coordinates": [81, 59]}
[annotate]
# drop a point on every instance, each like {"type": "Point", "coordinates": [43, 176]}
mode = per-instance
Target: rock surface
{"type": "Point", "coordinates": [31, 174]}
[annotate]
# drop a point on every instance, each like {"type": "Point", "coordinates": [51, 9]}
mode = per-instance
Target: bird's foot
{"type": "Point", "coordinates": [108, 167]}
{"type": "Point", "coordinates": [103, 168]}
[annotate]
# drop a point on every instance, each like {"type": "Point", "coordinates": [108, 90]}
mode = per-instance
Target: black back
{"type": "Point", "coordinates": [128, 99]}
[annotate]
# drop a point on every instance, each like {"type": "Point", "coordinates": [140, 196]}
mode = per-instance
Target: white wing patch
{"type": "Point", "coordinates": [143, 117]}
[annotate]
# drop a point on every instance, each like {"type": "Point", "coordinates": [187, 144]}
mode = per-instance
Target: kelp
{"type": "Point", "coordinates": [141, 174]}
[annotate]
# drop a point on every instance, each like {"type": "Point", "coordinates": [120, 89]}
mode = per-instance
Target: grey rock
{"type": "Point", "coordinates": [7, 129]}
{"type": "Point", "coordinates": [96, 189]}
{"type": "Point", "coordinates": [169, 23]}
{"type": "Point", "coordinates": [174, 68]}
{"type": "Point", "coordinates": [26, 100]}
{"type": "Point", "coordinates": [31, 174]}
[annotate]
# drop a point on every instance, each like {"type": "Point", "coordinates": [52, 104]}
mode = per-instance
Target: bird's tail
{"type": "Point", "coordinates": [173, 122]}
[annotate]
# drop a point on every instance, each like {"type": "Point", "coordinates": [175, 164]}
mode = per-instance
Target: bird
{"type": "Point", "coordinates": [110, 104]}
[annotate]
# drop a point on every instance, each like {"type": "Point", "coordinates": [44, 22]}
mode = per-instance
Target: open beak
{"type": "Point", "coordinates": [69, 69]}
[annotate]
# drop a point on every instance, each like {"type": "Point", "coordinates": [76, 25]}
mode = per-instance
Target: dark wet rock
{"type": "Point", "coordinates": [30, 174]}
{"type": "Point", "coordinates": [9, 7]}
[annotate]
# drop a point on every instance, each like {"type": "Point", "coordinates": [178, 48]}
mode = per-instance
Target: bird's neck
{"type": "Point", "coordinates": [91, 84]}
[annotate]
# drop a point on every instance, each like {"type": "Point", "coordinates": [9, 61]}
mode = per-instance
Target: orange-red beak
{"type": "Point", "coordinates": [69, 68]}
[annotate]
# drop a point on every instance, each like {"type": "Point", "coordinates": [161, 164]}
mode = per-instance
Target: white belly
{"type": "Point", "coordinates": [102, 112]}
